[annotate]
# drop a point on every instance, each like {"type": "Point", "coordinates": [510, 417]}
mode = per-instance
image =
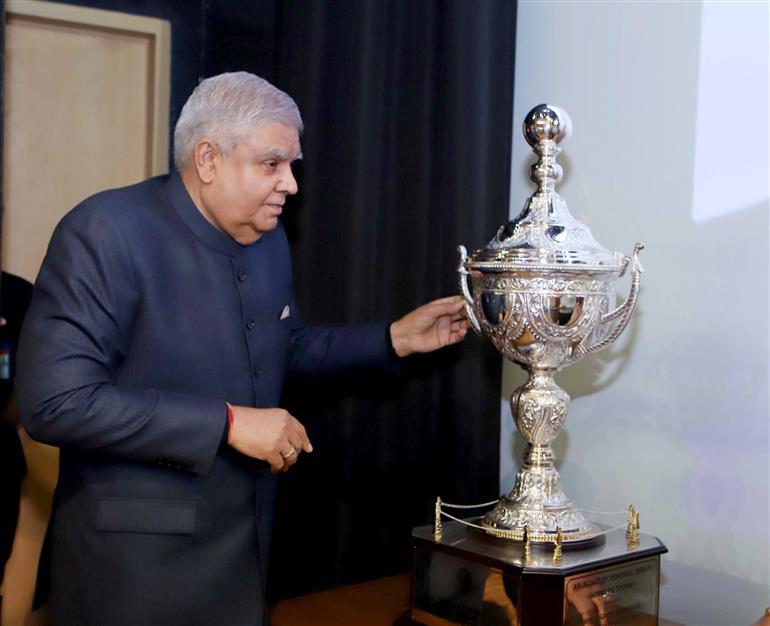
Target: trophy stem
{"type": "Point", "coordinates": [537, 501]}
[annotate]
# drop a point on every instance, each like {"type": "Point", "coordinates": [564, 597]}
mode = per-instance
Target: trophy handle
{"type": "Point", "coordinates": [463, 273]}
{"type": "Point", "coordinates": [624, 311]}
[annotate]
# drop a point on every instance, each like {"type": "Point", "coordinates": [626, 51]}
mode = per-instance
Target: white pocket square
{"type": "Point", "coordinates": [286, 312]}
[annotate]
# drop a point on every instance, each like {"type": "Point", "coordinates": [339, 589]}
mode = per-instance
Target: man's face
{"type": "Point", "coordinates": [249, 186]}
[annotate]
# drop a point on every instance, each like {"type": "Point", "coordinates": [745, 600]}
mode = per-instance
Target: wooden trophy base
{"type": "Point", "coordinates": [470, 578]}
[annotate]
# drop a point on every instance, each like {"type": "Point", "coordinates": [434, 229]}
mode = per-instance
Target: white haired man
{"type": "Point", "coordinates": [154, 352]}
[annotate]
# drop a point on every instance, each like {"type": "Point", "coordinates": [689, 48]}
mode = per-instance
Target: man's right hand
{"type": "Point", "coordinates": [271, 435]}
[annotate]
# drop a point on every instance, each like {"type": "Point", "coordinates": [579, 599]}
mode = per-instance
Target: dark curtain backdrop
{"type": "Point", "coordinates": [408, 112]}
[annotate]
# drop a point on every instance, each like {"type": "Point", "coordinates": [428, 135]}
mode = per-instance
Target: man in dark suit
{"type": "Point", "coordinates": [154, 353]}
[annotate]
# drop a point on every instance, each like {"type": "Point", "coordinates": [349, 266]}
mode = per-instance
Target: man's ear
{"type": "Point", "coordinates": [205, 155]}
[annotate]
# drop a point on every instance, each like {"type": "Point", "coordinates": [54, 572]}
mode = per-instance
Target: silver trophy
{"type": "Point", "coordinates": [543, 292]}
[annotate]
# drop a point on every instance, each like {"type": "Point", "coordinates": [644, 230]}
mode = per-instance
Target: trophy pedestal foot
{"type": "Point", "coordinates": [470, 578]}
{"type": "Point", "coordinates": [538, 504]}
{"type": "Point", "coordinates": [509, 519]}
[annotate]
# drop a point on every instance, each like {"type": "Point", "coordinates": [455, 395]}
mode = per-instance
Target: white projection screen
{"type": "Point", "coordinates": [669, 103]}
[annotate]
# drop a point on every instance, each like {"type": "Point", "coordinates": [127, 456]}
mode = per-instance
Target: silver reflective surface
{"type": "Point", "coordinates": [564, 310]}
{"type": "Point", "coordinates": [496, 307]}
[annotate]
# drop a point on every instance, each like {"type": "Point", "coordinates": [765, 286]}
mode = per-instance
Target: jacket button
{"type": "Point", "coordinates": [257, 372]}
{"type": "Point", "coordinates": [241, 276]}
{"type": "Point", "coordinates": [250, 323]}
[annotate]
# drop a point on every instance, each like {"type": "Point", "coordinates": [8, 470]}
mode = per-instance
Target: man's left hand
{"type": "Point", "coordinates": [430, 327]}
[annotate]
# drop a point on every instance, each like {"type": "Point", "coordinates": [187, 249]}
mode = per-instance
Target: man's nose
{"type": "Point", "coordinates": [288, 183]}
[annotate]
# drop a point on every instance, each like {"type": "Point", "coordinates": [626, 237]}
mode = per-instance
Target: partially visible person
{"type": "Point", "coordinates": [15, 294]}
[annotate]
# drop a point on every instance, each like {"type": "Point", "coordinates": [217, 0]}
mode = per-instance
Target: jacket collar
{"type": "Point", "coordinates": [199, 225]}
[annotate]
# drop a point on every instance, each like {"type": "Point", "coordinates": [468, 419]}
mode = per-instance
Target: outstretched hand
{"type": "Point", "coordinates": [432, 326]}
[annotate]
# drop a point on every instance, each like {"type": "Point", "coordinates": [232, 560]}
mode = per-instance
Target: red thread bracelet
{"type": "Point", "coordinates": [229, 420]}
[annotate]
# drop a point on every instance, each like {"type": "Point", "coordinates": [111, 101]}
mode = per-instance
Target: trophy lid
{"type": "Point", "coordinates": [545, 236]}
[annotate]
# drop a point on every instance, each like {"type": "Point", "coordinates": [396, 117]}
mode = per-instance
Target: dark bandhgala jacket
{"type": "Point", "coordinates": [144, 321]}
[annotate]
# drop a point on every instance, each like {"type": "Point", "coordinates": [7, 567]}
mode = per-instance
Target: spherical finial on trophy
{"type": "Point", "coordinates": [544, 128]}
{"type": "Point", "coordinates": [547, 122]}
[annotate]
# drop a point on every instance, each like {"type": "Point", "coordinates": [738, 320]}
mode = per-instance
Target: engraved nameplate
{"type": "Point", "coordinates": [622, 595]}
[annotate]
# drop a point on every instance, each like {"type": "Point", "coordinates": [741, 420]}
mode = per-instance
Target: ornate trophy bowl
{"type": "Point", "coordinates": [543, 292]}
